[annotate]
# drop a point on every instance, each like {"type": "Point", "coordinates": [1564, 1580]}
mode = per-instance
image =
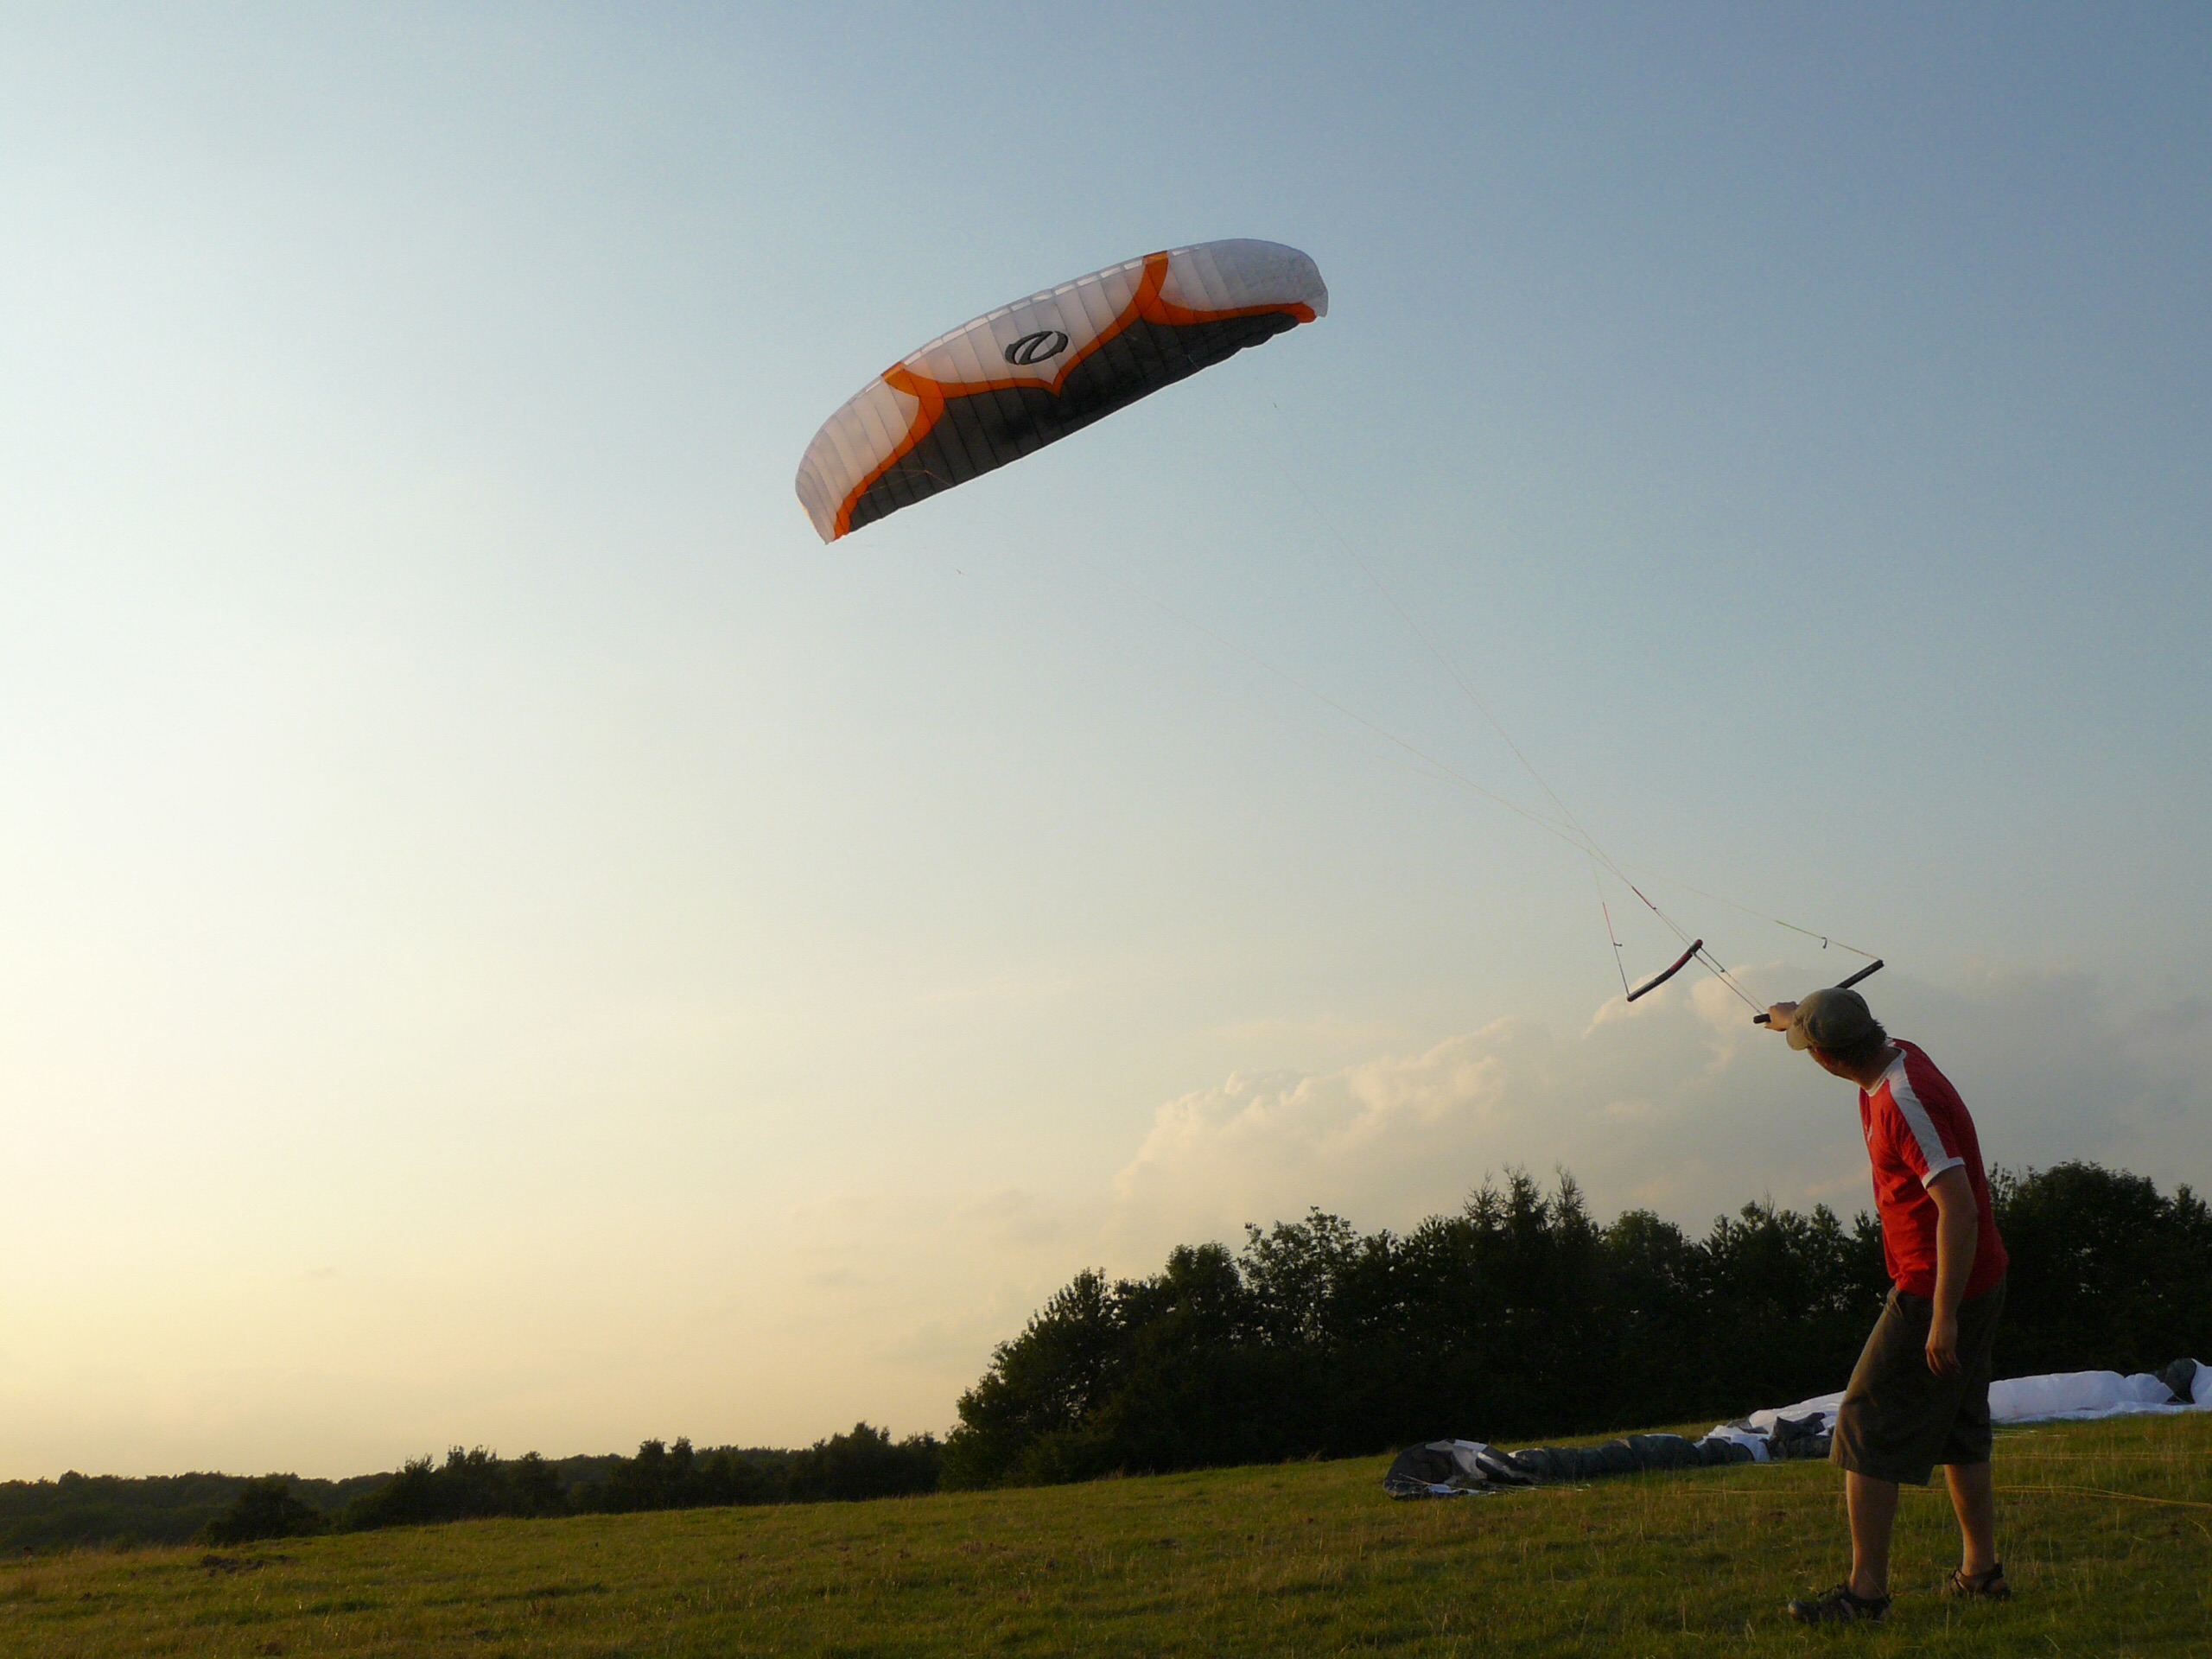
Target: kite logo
{"type": "Point", "coordinates": [1035, 348]}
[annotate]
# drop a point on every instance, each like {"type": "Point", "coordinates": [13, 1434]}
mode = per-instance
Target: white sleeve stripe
{"type": "Point", "coordinates": [1923, 1127]}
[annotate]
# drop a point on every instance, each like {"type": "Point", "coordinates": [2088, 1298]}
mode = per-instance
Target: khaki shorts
{"type": "Point", "coordinates": [1898, 1418]}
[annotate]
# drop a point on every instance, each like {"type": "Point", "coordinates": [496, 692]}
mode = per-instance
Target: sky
{"type": "Point", "coordinates": [506, 939]}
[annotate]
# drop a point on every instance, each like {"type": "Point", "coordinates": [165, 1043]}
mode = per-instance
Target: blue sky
{"type": "Point", "coordinates": [507, 939]}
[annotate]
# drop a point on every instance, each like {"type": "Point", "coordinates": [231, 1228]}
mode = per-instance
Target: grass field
{"type": "Point", "coordinates": [2106, 1531]}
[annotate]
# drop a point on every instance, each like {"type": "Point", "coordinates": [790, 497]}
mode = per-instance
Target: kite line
{"type": "Point", "coordinates": [1036, 370]}
{"type": "Point", "coordinates": [1695, 948]}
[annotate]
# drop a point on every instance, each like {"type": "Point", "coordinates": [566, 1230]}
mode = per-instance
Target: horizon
{"type": "Point", "coordinates": [510, 941]}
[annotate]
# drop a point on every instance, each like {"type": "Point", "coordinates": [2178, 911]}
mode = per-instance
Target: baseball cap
{"type": "Point", "coordinates": [1831, 1019]}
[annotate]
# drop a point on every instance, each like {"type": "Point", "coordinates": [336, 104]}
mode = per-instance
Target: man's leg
{"type": "Point", "coordinates": [1974, 1498]}
{"type": "Point", "coordinates": [1873, 1506]}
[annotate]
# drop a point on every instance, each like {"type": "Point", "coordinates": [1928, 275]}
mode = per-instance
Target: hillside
{"type": "Point", "coordinates": [2107, 1528]}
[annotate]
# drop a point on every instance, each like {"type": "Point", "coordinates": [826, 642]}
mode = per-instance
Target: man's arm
{"type": "Point", "coordinates": [1957, 1235]}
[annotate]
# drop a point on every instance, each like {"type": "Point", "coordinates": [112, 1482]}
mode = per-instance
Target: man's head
{"type": "Point", "coordinates": [1839, 1030]}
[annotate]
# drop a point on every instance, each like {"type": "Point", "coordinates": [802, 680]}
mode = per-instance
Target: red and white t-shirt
{"type": "Point", "coordinates": [1917, 1127]}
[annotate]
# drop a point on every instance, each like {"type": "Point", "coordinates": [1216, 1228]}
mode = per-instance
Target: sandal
{"type": "Point", "coordinates": [1962, 1585]}
{"type": "Point", "coordinates": [1840, 1606]}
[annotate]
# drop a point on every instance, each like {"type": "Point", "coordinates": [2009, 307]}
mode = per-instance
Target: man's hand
{"type": "Point", "coordinates": [1943, 1343]}
{"type": "Point", "coordinates": [1779, 1016]}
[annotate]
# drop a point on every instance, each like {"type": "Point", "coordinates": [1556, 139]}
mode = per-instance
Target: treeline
{"type": "Point", "coordinates": [1522, 1318]}
{"type": "Point", "coordinates": [78, 1510]}
{"type": "Point", "coordinates": [474, 1484]}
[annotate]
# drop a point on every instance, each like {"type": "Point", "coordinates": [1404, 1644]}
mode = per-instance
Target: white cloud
{"type": "Point", "coordinates": [1677, 1103]}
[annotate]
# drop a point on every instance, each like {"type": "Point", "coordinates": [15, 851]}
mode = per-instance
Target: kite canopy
{"type": "Point", "coordinates": [1026, 374]}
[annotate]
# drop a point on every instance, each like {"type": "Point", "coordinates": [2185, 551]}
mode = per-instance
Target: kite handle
{"type": "Point", "coordinates": [1657, 980]}
{"type": "Point", "coordinates": [1873, 966]}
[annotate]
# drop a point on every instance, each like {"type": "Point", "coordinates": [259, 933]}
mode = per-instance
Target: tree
{"type": "Point", "coordinates": [265, 1509]}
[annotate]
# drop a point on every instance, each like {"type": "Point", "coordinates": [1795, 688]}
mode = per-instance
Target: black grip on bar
{"type": "Point", "coordinates": [1657, 980]}
{"type": "Point", "coordinates": [1870, 969]}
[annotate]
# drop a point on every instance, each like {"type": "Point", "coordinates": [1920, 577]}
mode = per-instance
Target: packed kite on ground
{"type": "Point", "coordinates": [1459, 1468]}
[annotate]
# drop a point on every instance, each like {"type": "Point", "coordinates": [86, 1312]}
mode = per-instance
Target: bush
{"type": "Point", "coordinates": [265, 1509]}
{"type": "Point", "coordinates": [471, 1485]}
{"type": "Point", "coordinates": [865, 1464]}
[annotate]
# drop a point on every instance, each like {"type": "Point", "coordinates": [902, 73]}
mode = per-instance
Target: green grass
{"type": "Point", "coordinates": [1297, 1558]}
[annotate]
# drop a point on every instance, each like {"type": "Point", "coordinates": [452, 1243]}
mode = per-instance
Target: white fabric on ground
{"type": "Point", "coordinates": [2081, 1396]}
{"type": "Point", "coordinates": [2069, 1396]}
{"type": "Point", "coordinates": [1753, 1443]}
{"type": "Point", "coordinates": [1822, 1406]}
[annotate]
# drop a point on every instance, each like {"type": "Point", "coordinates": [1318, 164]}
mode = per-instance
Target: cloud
{"type": "Point", "coordinates": [1677, 1103]}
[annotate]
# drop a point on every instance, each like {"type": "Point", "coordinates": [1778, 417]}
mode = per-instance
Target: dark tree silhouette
{"type": "Point", "coordinates": [1520, 1317]}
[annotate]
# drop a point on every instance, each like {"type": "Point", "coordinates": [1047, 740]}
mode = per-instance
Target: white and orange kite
{"type": "Point", "coordinates": [1029, 373]}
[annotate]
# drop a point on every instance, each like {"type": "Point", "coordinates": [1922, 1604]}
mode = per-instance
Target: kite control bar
{"type": "Point", "coordinates": [1680, 962]}
{"type": "Point", "coordinates": [1873, 966]}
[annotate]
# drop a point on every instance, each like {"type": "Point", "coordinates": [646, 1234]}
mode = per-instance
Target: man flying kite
{"type": "Point", "coordinates": [1919, 1395]}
